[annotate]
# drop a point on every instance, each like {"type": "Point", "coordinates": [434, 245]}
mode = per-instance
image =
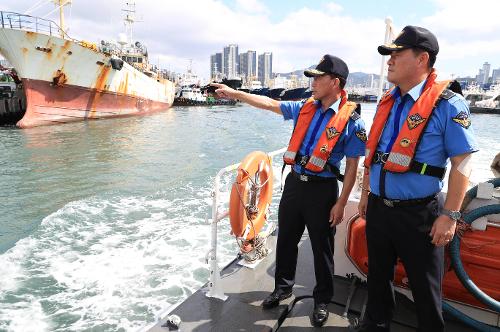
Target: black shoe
{"type": "Point", "coordinates": [274, 299]}
{"type": "Point", "coordinates": [320, 314]}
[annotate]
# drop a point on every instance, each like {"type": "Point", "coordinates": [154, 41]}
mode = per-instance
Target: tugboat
{"type": "Point", "coordinates": [12, 97]}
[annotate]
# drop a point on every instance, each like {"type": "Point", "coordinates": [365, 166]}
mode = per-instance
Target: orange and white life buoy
{"type": "Point", "coordinates": [251, 195]}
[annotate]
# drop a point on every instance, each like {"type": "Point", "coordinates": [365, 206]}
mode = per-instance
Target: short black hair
{"type": "Point", "coordinates": [342, 81]}
{"type": "Point", "coordinates": [432, 57]}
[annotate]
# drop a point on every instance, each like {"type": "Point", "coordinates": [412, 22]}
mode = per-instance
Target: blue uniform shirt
{"type": "Point", "coordinates": [351, 142]}
{"type": "Point", "coordinates": [448, 134]}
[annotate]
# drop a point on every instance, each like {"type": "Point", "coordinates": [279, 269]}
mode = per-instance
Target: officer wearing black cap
{"type": "Point", "coordinates": [326, 128]}
{"type": "Point", "coordinates": [419, 126]}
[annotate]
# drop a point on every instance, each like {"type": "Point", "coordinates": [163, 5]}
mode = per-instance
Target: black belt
{"type": "Point", "coordinates": [312, 178]}
{"type": "Point", "coordinates": [416, 167]}
{"type": "Point", "coordinates": [403, 202]}
{"type": "Point", "coordinates": [302, 160]}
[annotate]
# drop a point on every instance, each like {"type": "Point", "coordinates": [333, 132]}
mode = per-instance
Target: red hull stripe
{"type": "Point", "coordinates": [48, 104]}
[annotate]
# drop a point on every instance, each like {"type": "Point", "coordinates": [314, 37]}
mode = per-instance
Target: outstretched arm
{"type": "Point", "coordinates": [255, 100]}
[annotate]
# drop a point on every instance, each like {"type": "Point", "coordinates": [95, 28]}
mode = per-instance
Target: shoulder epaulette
{"type": "Point", "coordinates": [355, 115]}
{"type": "Point", "coordinates": [447, 94]}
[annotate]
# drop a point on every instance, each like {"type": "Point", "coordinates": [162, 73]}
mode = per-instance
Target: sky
{"type": "Point", "coordinates": [297, 32]}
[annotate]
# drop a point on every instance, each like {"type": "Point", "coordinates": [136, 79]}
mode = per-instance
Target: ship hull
{"type": "Point", "coordinates": [48, 104]}
{"type": "Point", "coordinates": [66, 81]}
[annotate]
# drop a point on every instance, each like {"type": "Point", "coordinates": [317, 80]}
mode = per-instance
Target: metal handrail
{"type": "Point", "coordinates": [16, 21]}
{"type": "Point", "coordinates": [215, 287]}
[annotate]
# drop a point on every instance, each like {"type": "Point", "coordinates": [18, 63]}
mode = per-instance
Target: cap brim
{"type": "Point", "coordinates": [388, 49]}
{"type": "Point", "coordinates": [313, 73]}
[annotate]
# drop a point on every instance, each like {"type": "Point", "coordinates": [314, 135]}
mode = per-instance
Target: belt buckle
{"type": "Point", "coordinates": [303, 178]}
{"type": "Point", "coordinates": [388, 202]}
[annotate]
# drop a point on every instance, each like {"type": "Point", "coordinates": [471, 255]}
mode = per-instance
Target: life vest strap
{"type": "Point", "coordinates": [302, 160]}
{"type": "Point", "coordinates": [416, 166]}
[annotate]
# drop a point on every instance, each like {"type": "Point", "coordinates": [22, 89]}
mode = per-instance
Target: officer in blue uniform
{"type": "Point", "coordinates": [401, 209]}
{"type": "Point", "coordinates": [311, 199]}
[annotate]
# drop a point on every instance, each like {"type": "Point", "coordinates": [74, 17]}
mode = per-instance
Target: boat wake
{"type": "Point", "coordinates": [108, 264]}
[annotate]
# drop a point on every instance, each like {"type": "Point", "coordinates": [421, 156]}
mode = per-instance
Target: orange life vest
{"type": "Point", "coordinates": [405, 145]}
{"type": "Point", "coordinates": [328, 138]}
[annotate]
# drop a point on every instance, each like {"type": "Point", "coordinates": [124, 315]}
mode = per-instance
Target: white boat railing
{"type": "Point", "coordinates": [16, 21]}
{"type": "Point", "coordinates": [215, 288]}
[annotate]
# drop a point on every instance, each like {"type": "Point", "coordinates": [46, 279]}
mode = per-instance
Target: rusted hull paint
{"type": "Point", "coordinates": [69, 82]}
{"type": "Point", "coordinates": [48, 104]}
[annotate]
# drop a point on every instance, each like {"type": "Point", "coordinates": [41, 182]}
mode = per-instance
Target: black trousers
{"type": "Point", "coordinates": [403, 232]}
{"type": "Point", "coordinates": [306, 204]}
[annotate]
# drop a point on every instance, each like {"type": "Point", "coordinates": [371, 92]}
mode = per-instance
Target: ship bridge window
{"type": "Point", "coordinates": [139, 60]}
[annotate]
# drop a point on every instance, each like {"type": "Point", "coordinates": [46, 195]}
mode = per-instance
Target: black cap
{"type": "Point", "coordinates": [329, 64]}
{"type": "Point", "coordinates": [412, 37]}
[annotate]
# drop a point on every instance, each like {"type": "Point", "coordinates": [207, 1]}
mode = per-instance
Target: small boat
{"type": "Point", "coordinates": [12, 97]}
{"type": "Point", "coordinates": [275, 93]}
{"type": "Point", "coordinates": [487, 106]}
{"type": "Point", "coordinates": [293, 94]}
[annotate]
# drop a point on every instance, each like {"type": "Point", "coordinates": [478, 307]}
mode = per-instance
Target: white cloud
{"type": "Point", "coordinates": [252, 6]}
{"type": "Point", "coordinates": [177, 30]}
{"type": "Point", "coordinates": [333, 7]}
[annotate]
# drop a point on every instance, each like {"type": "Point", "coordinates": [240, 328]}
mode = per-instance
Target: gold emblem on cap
{"type": "Point", "coordinates": [324, 148]}
{"type": "Point", "coordinates": [405, 142]}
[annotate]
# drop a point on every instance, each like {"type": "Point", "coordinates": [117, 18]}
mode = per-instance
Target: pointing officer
{"type": "Point", "coordinates": [326, 128]}
{"type": "Point", "coordinates": [408, 148]}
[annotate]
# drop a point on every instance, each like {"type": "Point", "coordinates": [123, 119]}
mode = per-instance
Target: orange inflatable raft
{"type": "Point", "coordinates": [480, 254]}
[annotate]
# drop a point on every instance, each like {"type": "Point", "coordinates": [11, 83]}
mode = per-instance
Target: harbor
{"type": "Point", "coordinates": [121, 165]}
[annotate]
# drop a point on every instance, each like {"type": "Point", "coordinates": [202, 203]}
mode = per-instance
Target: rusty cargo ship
{"type": "Point", "coordinates": [68, 80]}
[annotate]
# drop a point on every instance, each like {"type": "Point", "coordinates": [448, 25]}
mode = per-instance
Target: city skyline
{"type": "Point", "coordinates": [298, 33]}
{"type": "Point", "coordinates": [247, 65]}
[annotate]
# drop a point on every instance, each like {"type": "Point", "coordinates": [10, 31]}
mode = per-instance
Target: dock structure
{"type": "Point", "coordinates": [246, 288]}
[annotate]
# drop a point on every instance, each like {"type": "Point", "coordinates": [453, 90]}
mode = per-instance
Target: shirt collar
{"type": "Point", "coordinates": [414, 92]}
{"type": "Point", "coordinates": [334, 107]}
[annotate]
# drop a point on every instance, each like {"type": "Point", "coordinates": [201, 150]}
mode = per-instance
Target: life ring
{"type": "Point", "coordinates": [251, 196]}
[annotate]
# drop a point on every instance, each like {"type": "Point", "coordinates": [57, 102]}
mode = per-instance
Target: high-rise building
{"type": "Point", "coordinates": [248, 65]}
{"type": "Point", "coordinates": [486, 72]}
{"type": "Point", "coordinates": [231, 60]}
{"type": "Point", "coordinates": [480, 77]}
{"type": "Point", "coordinates": [216, 65]}
{"type": "Point", "coordinates": [495, 75]}
{"type": "Point", "coordinates": [265, 67]}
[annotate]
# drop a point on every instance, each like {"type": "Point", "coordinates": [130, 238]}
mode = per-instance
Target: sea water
{"type": "Point", "coordinates": [104, 224]}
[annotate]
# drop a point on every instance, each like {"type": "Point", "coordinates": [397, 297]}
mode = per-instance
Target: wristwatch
{"type": "Point", "coordinates": [455, 215]}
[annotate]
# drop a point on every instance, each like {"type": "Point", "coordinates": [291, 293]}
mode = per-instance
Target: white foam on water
{"type": "Point", "coordinates": [109, 264]}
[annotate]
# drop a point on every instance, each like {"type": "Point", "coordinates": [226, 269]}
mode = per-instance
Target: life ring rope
{"type": "Point", "coordinates": [250, 199]}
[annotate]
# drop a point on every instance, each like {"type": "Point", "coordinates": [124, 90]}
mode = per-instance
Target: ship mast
{"type": "Point", "coordinates": [129, 19]}
{"type": "Point", "coordinates": [61, 4]}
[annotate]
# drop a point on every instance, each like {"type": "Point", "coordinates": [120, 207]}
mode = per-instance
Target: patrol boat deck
{"type": "Point", "coordinates": [233, 301]}
{"type": "Point", "coordinates": [246, 288]}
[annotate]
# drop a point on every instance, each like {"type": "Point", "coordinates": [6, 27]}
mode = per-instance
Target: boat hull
{"type": "Point", "coordinates": [48, 104]}
{"type": "Point", "coordinates": [67, 81]}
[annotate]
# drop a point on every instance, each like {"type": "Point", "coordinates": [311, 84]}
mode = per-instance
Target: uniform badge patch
{"type": "Point", "coordinates": [414, 120]}
{"type": "Point", "coordinates": [324, 148]}
{"type": "Point", "coordinates": [462, 119]}
{"type": "Point", "coordinates": [361, 134]}
{"type": "Point", "coordinates": [331, 132]}
{"type": "Point", "coordinates": [405, 142]}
